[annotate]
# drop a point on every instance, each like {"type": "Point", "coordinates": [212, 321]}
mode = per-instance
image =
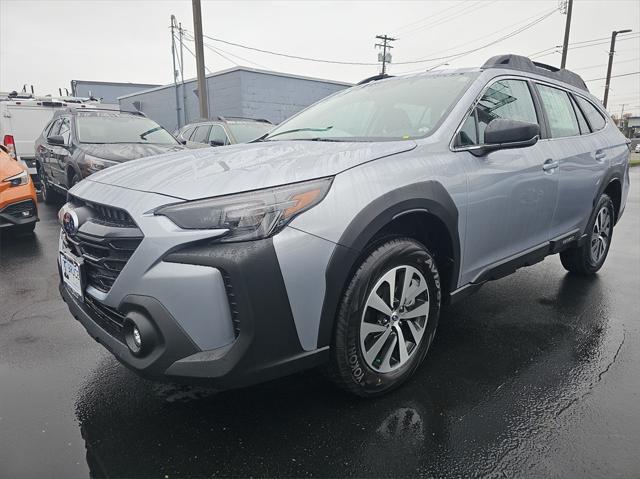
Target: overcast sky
{"type": "Point", "coordinates": [49, 43]}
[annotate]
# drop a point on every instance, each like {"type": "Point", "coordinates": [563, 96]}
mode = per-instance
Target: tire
{"type": "Point", "coordinates": [49, 196]}
{"type": "Point", "coordinates": [359, 330]}
{"type": "Point", "coordinates": [75, 179]}
{"type": "Point", "coordinates": [589, 258]}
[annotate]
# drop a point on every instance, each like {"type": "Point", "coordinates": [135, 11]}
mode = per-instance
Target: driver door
{"type": "Point", "coordinates": [512, 193]}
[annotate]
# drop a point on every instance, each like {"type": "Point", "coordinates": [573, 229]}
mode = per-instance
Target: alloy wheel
{"type": "Point", "coordinates": [394, 318]}
{"type": "Point", "coordinates": [601, 234]}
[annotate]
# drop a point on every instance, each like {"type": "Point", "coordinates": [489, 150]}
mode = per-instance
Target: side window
{"type": "Point", "coordinates": [468, 133]}
{"type": "Point", "coordinates": [201, 134]}
{"type": "Point", "coordinates": [55, 128]}
{"type": "Point", "coordinates": [562, 118]}
{"type": "Point", "coordinates": [582, 121]}
{"type": "Point", "coordinates": [509, 99]}
{"type": "Point", "coordinates": [186, 134]}
{"type": "Point", "coordinates": [65, 130]}
{"type": "Point", "coordinates": [595, 118]}
{"type": "Point", "coordinates": [218, 137]}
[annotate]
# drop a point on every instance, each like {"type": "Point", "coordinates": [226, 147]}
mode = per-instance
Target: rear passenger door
{"type": "Point", "coordinates": [511, 194]}
{"type": "Point", "coordinates": [200, 137]}
{"type": "Point", "coordinates": [579, 153]}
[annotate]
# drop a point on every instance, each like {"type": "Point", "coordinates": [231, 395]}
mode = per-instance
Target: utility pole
{"type": "Point", "coordinates": [175, 72]}
{"type": "Point", "coordinates": [184, 91]}
{"type": "Point", "coordinates": [567, 27]}
{"type": "Point", "coordinates": [614, 34]}
{"type": "Point", "coordinates": [385, 45]}
{"type": "Point", "coordinates": [202, 80]}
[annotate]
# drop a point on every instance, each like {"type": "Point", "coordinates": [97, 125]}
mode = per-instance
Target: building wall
{"type": "Point", "coordinates": [239, 92]}
{"type": "Point", "coordinates": [109, 92]}
{"type": "Point", "coordinates": [276, 98]}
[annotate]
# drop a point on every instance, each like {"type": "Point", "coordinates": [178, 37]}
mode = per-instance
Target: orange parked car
{"type": "Point", "coordinates": [18, 203]}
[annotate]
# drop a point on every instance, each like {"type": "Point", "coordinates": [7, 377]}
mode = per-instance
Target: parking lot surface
{"type": "Point", "coordinates": [536, 375]}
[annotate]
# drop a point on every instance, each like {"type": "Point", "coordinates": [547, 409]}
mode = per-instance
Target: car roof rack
{"type": "Point", "coordinates": [83, 108]}
{"type": "Point", "coordinates": [380, 76]}
{"type": "Point", "coordinates": [525, 64]}
{"type": "Point", "coordinates": [225, 118]}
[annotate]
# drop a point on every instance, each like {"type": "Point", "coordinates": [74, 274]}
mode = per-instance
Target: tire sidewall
{"type": "Point", "coordinates": [588, 261]}
{"type": "Point", "coordinates": [384, 258]}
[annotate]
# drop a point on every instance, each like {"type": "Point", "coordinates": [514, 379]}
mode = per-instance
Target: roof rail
{"type": "Point", "coordinates": [520, 63]}
{"type": "Point", "coordinates": [225, 118]}
{"type": "Point", "coordinates": [374, 78]}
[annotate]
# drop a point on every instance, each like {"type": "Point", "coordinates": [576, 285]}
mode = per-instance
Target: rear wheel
{"type": "Point", "coordinates": [387, 318]}
{"type": "Point", "coordinates": [589, 258]}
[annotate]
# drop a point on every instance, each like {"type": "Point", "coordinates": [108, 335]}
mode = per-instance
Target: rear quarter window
{"type": "Point", "coordinates": [595, 118]}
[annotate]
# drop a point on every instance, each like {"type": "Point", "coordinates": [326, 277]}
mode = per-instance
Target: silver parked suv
{"type": "Point", "coordinates": [335, 239]}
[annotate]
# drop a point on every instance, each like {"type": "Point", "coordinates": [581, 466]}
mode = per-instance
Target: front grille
{"type": "Point", "coordinates": [104, 258]}
{"type": "Point", "coordinates": [16, 209]}
{"type": "Point", "coordinates": [103, 214]}
{"type": "Point", "coordinates": [109, 319]}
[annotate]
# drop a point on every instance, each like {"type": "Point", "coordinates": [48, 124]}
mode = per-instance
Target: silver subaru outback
{"type": "Point", "coordinates": [335, 239]}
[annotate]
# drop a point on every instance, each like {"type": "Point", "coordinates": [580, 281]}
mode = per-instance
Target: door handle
{"type": "Point", "coordinates": [600, 155]}
{"type": "Point", "coordinates": [550, 165]}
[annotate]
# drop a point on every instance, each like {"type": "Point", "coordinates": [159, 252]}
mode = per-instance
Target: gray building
{"type": "Point", "coordinates": [239, 91]}
{"type": "Point", "coordinates": [107, 91]}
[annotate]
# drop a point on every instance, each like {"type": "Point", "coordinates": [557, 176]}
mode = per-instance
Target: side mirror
{"type": "Point", "coordinates": [56, 140]}
{"type": "Point", "coordinates": [216, 143]}
{"type": "Point", "coordinates": [503, 133]}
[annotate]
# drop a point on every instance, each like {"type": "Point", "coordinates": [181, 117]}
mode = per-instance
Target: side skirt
{"type": "Point", "coordinates": [512, 264]}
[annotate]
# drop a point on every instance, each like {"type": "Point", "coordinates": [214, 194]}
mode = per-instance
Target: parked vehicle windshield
{"type": "Point", "coordinates": [110, 127]}
{"type": "Point", "coordinates": [399, 108]}
{"type": "Point", "coordinates": [246, 132]}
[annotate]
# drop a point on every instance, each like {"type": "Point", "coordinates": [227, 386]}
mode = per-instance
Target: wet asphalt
{"type": "Point", "coordinates": [537, 374]}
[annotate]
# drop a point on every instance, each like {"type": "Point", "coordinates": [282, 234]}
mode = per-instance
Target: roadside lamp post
{"type": "Point", "coordinates": [614, 34]}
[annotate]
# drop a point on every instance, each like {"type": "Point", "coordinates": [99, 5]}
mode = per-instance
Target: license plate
{"type": "Point", "coordinates": [72, 274]}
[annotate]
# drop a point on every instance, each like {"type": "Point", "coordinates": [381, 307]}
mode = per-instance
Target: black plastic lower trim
{"type": "Point", "coordinates": [173, 342]}
{"type": "Point", "coordinates": [267, 345]}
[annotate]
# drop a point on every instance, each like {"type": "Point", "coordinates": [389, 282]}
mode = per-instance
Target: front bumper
{"type": "Point", "coordinates": [266, 345]}
{"type": "Point", "coordinates": [19, 213]}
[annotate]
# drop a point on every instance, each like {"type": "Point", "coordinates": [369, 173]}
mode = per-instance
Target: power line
{"type": "Point", "coordinates": [616, 76]}
{"type": "Point", "coordinates": [429, 17]}
{"type": "Point", "coordinates": [194, 56]}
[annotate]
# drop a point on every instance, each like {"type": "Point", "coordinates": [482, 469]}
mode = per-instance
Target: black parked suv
{"type": "Point", "coordinates": [77, 143]}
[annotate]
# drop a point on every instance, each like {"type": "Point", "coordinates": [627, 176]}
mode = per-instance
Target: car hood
{"type": "Point", "coordinates": [194, 174]}
{"type": "Point", "coordinates": [127, 151]}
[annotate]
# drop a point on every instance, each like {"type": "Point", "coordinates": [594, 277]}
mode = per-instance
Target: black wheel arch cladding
{"type": "Point", "coordinates": [429, 196]}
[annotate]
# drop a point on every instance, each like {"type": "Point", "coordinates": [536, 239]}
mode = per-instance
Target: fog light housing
{"type": "Point", "coordinates": [139, 334]}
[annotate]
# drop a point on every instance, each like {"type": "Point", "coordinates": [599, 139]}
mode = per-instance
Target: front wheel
{"type": "Point", "coordinates": [589, 258]}
{"type": "Point", "coordinates": [387, 318]}
{"type": "Point", "coordinates": [49, 196]}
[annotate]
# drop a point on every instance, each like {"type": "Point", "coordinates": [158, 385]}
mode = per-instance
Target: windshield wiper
{"type": "Point", "coordinates": [296, 130]}
{"type": "Point", "coordinates": [148, 132]}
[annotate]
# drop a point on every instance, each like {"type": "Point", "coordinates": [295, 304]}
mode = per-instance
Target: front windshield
{"type": "Point", "coordinates": [400, 108]}
{"type": "Point", "coordinates": [112, 127]}
{"type": "Point", "coordinates": [244, 132]}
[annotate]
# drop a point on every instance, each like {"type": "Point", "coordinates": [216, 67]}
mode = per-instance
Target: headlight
{"type": "Point", "coordinates": [252, 215]}
{"type": "Point", "coordinates": [19, 179]}
{"type": "Point", "coordinates": [94, 164]}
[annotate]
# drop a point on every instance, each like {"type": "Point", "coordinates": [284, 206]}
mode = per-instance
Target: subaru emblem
{"type": "Point", "coordinates": [70, 222]}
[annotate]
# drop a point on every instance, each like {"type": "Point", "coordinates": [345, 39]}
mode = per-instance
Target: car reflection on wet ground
{"type": "Point", "coordinates": [535, 375]}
